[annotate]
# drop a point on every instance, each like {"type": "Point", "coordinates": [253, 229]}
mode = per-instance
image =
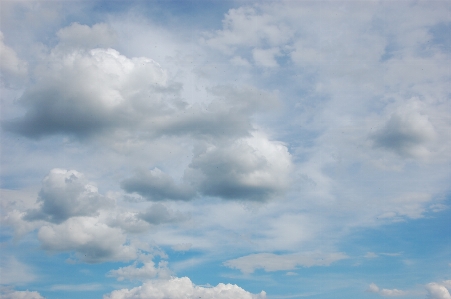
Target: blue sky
{"type": "Point", "coordinates": [225, 149]}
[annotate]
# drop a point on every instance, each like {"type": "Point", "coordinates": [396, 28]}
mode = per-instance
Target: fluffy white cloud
{"type": "Point", "coordinates": [92, 240]}
{"type": "Point", "coordinates": [438, 291]}
{"type": "Point", "coordinates": [273, 262]}
{"type": "Point", "coordinates": [178, 288]}
{"type": "Point", "coordinates": [21, 295]}
{"type": "Point", "coordinates": [65, 194]}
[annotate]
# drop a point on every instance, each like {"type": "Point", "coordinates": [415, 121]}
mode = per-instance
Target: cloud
{"type": "Point", "coordinates": [272, 262]}
{"type": "Point", "coordinates": [253, 168]}
{"type": "Point", "coordinates": [21, 295]}
{"type": "Point", "coordinates": [156, 185]}
{"type": "Point", "coordinates": [159, 214]}
{"type": "Point", "coordinates": [147, 271]}
{"type": "Point", "coordinates": [82, 36]}
{"type": "Point", "coordinates": [65, 194]}
{"type": "Point", "coordinates": [76, 287]}
{"type": "Point", "coordinates": [92, 240]}
{"type": "Point", "coordinates": [265, 57]}
{"type": "Point", "coordinates": [13, 272]}
{"type": "Point", "coordinates": [438, 291]}
{"type": "Point", "coordinates": [11, 67]}
{"type": "Point", "coordinates": [406, 133]}
{"type": "Point", "coordinates": [178, 288]}
{"type": "Point", "coordinates": [65, 99]}
{"type": "Point", "coordinates": [249, 27]}
{"type": "Point", "coordinates": [373, 288]}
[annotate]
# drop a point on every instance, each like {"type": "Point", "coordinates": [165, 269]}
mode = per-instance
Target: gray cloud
{"type": "Point", "coordinates": [406, 133]}
{"type": "Point", "coordinates": [65, 194]}
{"type": "Point", "coordinates": [160, 214]}
{"type": "Point", "coordinates": [156, 185]}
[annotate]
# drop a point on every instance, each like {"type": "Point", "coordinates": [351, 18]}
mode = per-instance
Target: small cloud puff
{"type": "Point", "coordinates": [183, 288]}
{"type": "Point", "coordinates": [373, 288]}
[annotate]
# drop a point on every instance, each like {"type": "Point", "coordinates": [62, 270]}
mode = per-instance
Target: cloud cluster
{"type": "Point", "coordinates": [178, 288]}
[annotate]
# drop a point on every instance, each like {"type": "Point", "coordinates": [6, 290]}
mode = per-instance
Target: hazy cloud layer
{"type": "Point", "coordinates": [273, 262]}
{"type": "Point", "coordinates": [21, 295]}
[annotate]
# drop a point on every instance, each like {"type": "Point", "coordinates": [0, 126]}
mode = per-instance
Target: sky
{"type": "Point", "coordinates": [225, 149]}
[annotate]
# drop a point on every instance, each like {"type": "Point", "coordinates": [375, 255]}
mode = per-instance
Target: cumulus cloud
{"type": "Point", "coordinates": [273, 262]}
{"type": "Point", "coordinates": [438, 291]}
{"type": "Point", "coordinates": [250, 168]}
{"type": "Point", "coordinates": [83, 92]}
{"type": "Point", "coordinates": [178, 288]}
{"type": "Point", "coordinates": [21, 295]}
{"type": "Point", "coordinates": [65, 194]}
{"type": "Point", "coordinates": [406, 133]}
{"type": "Point", "coordinates": [92, 240]}
{"type": "Point", "coordinates": [373, 288]}
{"type": "Point", "coordinates": [253, 168]}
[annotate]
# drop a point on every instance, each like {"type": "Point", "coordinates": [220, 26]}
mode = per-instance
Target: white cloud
{"type": "Point", "coordinates": [65, 100]}
{"type": "Point", "coordinates": [65, 194]}
{"type": "Point", "coordinates": [438, 291]}
{"type": "Point", "coordinates": [92, 240]}
{"type": "Point", "coordinates": [273, 262]}
{"type": "Point", "coordinates": [265, 57]}
{"type": "Point", "coordinates": [373, 288]}
{"type": "Point", "coordinates": [178, 288]}
{"type": "Point", "coordinates": [21, 295]}
{"type": "Point", "coordinates": [147, 271]}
